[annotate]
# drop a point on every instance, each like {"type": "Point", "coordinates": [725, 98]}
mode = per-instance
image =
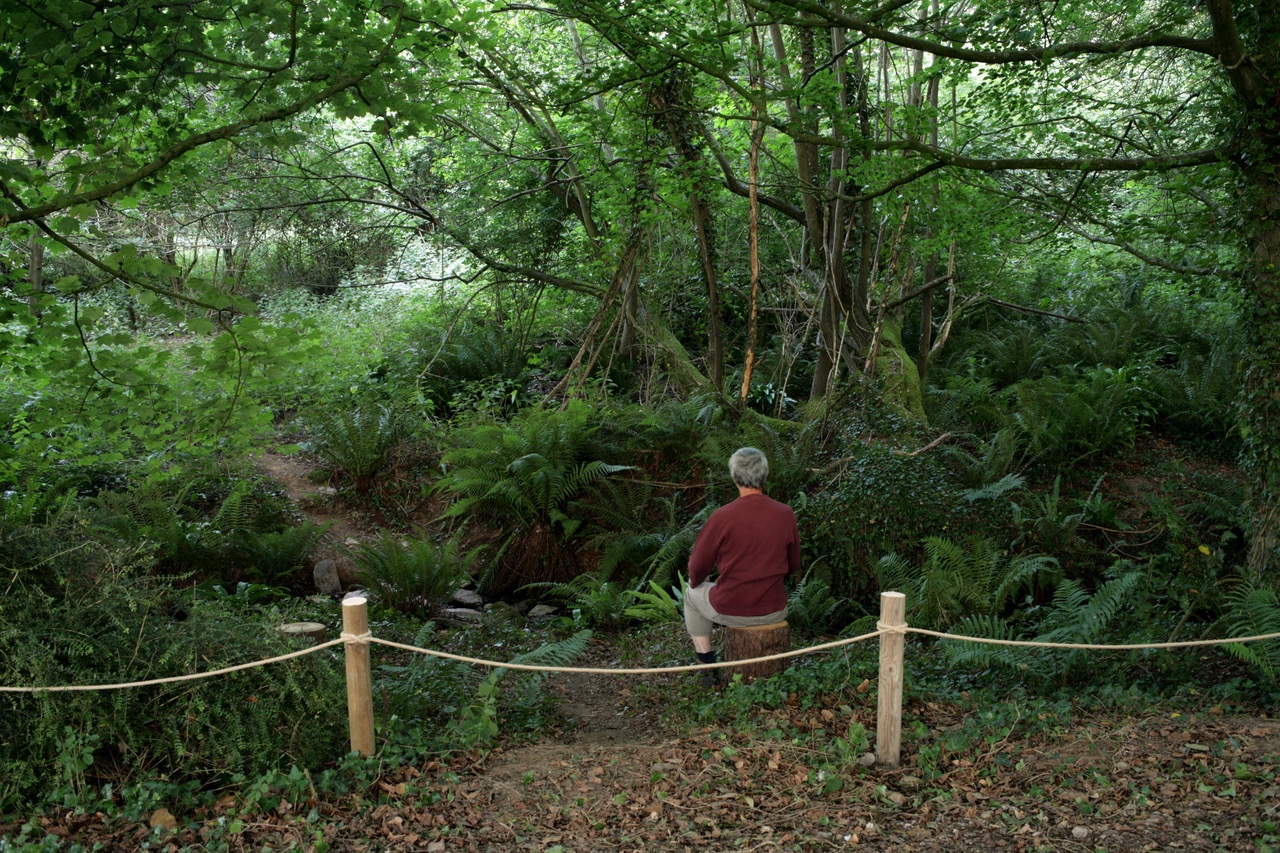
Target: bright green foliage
{"type": "Point", "coordinates": [527, 478]}
{"type": "Point", "coordinates": [657, 603]}
{"type": "Point", "coordinates": [590, 599]}
{"type": "Point", "coordinates": [96, 615]}
{"type": "Point", "coordinates": [1254, 610]}
{"type": "Point", "coordinates": [418, 576]}
{"type": "Point", "coordinates": [356, 443]}
{"type": "Point", "coordinates": [1075, 616]}
{"type": "Point", "coordinates": [959, 580]}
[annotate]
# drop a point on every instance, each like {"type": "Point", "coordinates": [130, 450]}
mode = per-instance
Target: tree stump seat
{"type": "Point", "coordinates": [755, 642]}
{"type": "Point", "coordinates": [313, 631]}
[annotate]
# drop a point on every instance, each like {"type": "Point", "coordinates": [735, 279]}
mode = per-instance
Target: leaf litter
{"type": "Point", "coordinates": [1152, 781]}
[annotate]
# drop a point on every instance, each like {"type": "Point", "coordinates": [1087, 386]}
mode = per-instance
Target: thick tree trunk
{"type": "Point", "coordinates": [1252, 64]}
{"type": "Point", "coordinates": [668, 97]}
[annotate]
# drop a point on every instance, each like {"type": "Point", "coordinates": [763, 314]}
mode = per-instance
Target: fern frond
{"type": "Point", "coordinates": [981, 654]}
{"type": "Point", "coordinates": [1255, 611]}
{"type": "Point", "coordinates": [558, 653]}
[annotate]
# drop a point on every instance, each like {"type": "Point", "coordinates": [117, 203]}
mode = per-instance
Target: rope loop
{"type": "Point", "coordinates": [886, 628]}
{"type": "Point", "coordinates": [356, 639]}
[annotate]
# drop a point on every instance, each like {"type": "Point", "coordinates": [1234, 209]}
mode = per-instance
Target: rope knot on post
{"type": "Point", "coordinates": [356, 636]}
{"type": "Point", "coordinates": [893, 630]}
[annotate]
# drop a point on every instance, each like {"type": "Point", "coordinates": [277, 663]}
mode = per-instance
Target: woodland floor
{"type": "Point", "coordinates": [620, 780]}
{"type": "Point", "coordinates": [619, 775]}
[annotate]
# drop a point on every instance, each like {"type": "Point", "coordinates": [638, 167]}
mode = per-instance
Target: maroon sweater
{"type": "Point", "coordinates": [755, 544]}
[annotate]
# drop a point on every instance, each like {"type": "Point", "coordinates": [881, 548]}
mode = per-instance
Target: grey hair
{"type": "Point", "coordinates": [749, 468]}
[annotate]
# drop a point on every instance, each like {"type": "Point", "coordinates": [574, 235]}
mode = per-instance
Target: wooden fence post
{"type": "Point", "coordinates": [355, 621]}
{"type": "Point", "coordinates": [893, 608]}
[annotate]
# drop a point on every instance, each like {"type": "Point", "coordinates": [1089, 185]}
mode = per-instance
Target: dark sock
{"type": "Point", "coordinates": [706, 657]}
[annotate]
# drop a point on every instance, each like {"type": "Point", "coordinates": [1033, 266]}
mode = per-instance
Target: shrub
{"type": "Point", "coordinates": [878, 503]}
{"type": "Point", "coordinates": [415, 577]}
{"type": "Point", "coordinates": [356, 443]}
{"type": "Point", "coordinates": [959, 580]}
{"type": "Point", "coordinates": [104, 618]}
{"type": "Point", "coordinates": [527, 478]}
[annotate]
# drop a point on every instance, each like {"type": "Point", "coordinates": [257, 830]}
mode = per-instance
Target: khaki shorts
{"type": "Point", "coordinates": [700, 617]}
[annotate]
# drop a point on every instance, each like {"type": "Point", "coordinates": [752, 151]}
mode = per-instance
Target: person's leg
{"type": "Point", "coordinates": [751, 621]}
{"type": "Point", "coordinates": [698, 614]}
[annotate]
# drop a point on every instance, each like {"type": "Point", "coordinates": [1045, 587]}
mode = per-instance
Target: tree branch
{"type": "Point", "coordinates": [996, 57]}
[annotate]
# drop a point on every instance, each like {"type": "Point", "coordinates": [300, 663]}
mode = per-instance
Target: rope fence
{"type": "Point", "coordinates": [891, 629]}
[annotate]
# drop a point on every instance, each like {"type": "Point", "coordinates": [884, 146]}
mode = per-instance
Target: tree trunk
{"type": "Point", "coordinates": [669, 98]}
{"type": "Point", "coordinates": [1254, 71]}
{"type": "Point", "coordinates": [757, 642]}
{"type": "Point", "coordinates": [35, 275]}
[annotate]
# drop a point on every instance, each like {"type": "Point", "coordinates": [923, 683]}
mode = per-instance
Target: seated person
{"type": "Point", "coordinates": [754, 544]}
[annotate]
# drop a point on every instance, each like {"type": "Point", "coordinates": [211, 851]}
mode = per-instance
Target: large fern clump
{"type": "Point", "coordinates": [1075, 616]}
{"type": "Point", "coordinates": [245, 536]}
{"type": "Point", "coordinates": [813, 609]}
{"type": "Point", "coordinates": [1196, 398]}
{"type": "Point", "coordinates": [416, 576]}
{"type": "Point", "coordinates": [356, 443]}
{"type": "Point", "coordinates": [641, 532]}
{"type": "Point", "coordinates": [527, 478]}
{"type": "Point", "coordinates": [959, 580]}
{"type": "Point", "coordinates": [788, 446]}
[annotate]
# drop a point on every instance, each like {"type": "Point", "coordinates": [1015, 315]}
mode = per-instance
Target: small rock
{"type": "Point", "coordinates": [663, 767]}
{"type": "Point", "coordinates": [462, 614]}
{"type": "Point", "coordinates": [522, 606]}
{"type": "Point", "coordinates": [501, 609]}
{"type": "Point", "coordinates": [1121, 766]}
{"type": "Point", "coordinates": [542, 611]}
{"type": "Point", "coordinates": [867, 759]}
{"type": "Point", "coordinates": [435, 847]}
{"type": "Point", "coordinates": [348, 571]}
{"type": "Point", "coordinates": [163, 818]}
{"type": "Point", "coordinates": [467, 598]}
{"type": "Point", "coordinates": [327, 491]}
{"type": "Point", "coordinates": [896, 798]}
{"type": "Point", "coordinates": [1080, 833]}
{"type": "Point", "coordinates": [326, 577]}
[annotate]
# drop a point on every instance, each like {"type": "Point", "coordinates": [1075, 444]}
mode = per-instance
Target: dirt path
{"type": "Point", "coordinates": [315, 502]}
